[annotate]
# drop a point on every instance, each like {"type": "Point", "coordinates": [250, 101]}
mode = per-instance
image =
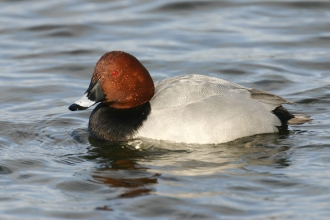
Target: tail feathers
{"type": "Point", "coordinates": [299, 119]}
{"type": "Point", "coordinates": [289, 119]}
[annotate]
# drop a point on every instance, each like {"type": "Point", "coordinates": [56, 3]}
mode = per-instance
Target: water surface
{"type": "Point", "coordinates": [51, 169]}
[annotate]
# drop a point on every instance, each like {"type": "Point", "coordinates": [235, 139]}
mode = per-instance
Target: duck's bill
{"type": "Point", "coordinates": [92, 96]}
{"type": "Point", "coordinates": [82, 103]}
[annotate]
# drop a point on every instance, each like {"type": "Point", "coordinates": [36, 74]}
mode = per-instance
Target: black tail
{"type": "Point", "coordinates": [289, 119]}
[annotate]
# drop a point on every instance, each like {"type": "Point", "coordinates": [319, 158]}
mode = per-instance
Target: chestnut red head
{"type": "Point", "coordinates": [120, 81]}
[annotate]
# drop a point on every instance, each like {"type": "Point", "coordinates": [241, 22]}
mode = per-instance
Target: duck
{"type": "Point", "coordinates": [193, 109]}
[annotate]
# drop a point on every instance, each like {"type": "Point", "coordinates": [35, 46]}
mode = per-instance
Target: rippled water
{"type": "Point", "coordinates": [51, 169]}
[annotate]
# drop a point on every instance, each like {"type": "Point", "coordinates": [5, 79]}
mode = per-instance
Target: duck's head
{"type": "Point", "coordinates": [120, 81]}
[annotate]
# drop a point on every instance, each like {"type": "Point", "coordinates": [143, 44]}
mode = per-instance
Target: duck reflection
{"type": "Point", "coordinates": [119, 168]}
{"type": "Point", "coordinates": [126, 167]}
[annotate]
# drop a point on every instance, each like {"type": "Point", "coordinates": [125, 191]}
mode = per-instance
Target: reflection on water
{"type": "Point", "coordinates": [136, 166]}
{"type": "Point", "coordinates": [118, 167]}
{"type": "Point", "coordinates": [51, 169]}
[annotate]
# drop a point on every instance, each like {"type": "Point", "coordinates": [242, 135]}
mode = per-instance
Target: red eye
{"type": "Point", "coordinates": [115, 73]}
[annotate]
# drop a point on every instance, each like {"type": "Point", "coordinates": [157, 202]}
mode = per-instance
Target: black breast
{"type": "Point", "coordinates": [110, 124]}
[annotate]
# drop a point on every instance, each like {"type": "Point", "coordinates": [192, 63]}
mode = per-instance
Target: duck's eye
{"type": "Point", "coordinates": [115, 73]}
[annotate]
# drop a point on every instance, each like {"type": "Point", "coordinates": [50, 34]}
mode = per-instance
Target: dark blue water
{"type": "Point", "coordinates": [51, 169]}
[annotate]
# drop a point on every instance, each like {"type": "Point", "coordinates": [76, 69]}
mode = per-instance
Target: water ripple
{"type": "Point", "coordinates": [52, 168]}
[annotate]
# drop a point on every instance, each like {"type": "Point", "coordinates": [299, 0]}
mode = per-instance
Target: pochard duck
{"type": "Point", "coordinates": [186, 109]}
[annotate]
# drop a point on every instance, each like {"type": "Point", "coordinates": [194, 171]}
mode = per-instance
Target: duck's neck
{"type": "Point", "coordinates": [111, 124]}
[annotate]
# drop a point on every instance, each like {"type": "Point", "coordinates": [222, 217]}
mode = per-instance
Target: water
{"type": "Point", "coordinates": [51, 169]}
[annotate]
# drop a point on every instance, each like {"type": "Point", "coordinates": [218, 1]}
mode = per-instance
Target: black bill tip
{"type": "Point", "coordinates": [75, 107]}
